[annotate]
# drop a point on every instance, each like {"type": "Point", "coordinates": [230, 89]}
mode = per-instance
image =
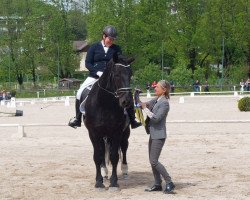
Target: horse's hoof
{"type": "Point", "coordinates": [125, 176]}
{"type": "Point", "coordinates": [99, 185]}
{"type": "Point", "coordinates": [114, 189]}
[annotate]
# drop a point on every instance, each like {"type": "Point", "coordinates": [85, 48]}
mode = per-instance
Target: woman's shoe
{"type": "Point", "coordinates": [154, 188]}
{"type": "Point", "coordinates": [169, 188]}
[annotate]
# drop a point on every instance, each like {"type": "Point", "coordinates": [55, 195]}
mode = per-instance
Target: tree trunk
{"type": "Point", "coordinates": [192, 57]}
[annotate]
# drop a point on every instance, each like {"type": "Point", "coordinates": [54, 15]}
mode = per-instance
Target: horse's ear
{"type": "Point", "coordinates": [115, 57]}
{"type": "Point", "coordinates": [130, 60]}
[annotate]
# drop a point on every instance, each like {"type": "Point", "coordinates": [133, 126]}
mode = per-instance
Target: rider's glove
{"type": "Point", "coordinates": [99, 73]}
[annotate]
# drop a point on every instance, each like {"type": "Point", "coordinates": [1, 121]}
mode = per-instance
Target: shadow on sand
{"type": "Point", "coordinates": [138, 179]}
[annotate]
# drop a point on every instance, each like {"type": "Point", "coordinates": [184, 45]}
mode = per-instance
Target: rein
{"type": "Point", "coordinates": [119, 90]}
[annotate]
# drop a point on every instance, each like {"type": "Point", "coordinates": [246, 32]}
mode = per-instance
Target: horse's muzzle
{"type": "Point", "coordinates": [125, 101]}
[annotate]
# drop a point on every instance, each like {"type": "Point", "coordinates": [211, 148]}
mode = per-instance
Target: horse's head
{"type": "Point", "coordinates": [120, 76]}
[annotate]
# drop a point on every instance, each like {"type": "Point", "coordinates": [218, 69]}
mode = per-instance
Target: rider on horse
{"type": "Point", "coordinates": [98, 55]}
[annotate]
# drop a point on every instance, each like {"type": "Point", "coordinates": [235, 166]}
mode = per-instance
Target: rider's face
{"type": "Point", "coordinates": [108, 41]}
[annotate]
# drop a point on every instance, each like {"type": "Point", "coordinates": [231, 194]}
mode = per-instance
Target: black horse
{"type": "Point", "coordinates": [105, 118]}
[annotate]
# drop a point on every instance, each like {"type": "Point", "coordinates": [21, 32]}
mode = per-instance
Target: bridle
{"type": "Point", "coordinates": [119, 90]}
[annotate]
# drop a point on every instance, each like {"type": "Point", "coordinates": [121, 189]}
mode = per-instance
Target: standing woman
{"type": "Point", "coordinates": [157, 111]}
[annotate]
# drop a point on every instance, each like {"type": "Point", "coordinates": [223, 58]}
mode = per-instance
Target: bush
{"type": "Point", "coordinates": [244, 104]}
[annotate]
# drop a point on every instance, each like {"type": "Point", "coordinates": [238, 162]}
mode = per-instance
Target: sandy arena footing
{"type": "Point", "coordinates": [205, 160]}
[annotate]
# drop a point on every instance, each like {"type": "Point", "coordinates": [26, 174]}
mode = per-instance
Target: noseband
{"type": "Point", "coordinates": [119, 90]}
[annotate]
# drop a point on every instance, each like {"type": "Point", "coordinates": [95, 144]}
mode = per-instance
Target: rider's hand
{"type": "Point", "coordinates": [99, 73]}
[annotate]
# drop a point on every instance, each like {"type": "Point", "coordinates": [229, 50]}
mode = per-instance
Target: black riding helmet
{"type": "Point", "coordinates": [110, 31]}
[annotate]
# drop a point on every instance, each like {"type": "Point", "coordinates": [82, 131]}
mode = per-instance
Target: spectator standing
{"type": "Point", "coordinates": [248, 84]}
{"type": "Point", "coordinates": [242, 85]}
{"type": "Point", "coordinates": [4, 95]}
{"type": "Point", "coordinates": [148, 86]}
{"type": "Point", "coordinates": [197, 86]}
{"type": "Point", "coordinates": [154, 84]}
{"type": "Point", "coordinates": [206, 87]}
{"type": "Point", "coordinates": [172, 86]}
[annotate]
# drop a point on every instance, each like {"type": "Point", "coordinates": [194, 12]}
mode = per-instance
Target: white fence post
{"type": "Point", "coordinates": [66, 101]}
{"type": "Point", "coordinates": [12, 102]}
{"type": "Point", "coordinates": [181, 100]}
{"type": "Point", "coordinates": [20, 131]}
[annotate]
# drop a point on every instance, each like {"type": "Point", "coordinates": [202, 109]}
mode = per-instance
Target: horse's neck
{"type": "Point", "coordinates": [105, 81]}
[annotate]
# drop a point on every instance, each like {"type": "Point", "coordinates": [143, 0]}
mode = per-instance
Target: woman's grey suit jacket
{"type": "Point", "coordinates": [157, 124]}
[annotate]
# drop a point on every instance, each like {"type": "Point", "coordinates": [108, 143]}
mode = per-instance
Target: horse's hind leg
{"type": "Point", "coordinates": [124, 148]}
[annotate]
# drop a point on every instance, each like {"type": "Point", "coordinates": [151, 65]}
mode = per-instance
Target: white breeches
{"type": "Point", "coordinates": [86, 83]}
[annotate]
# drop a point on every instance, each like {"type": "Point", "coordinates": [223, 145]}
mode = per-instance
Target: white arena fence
{"type": "Point", "coordinates": [20, 127]}
{"type": "Point", "coordinates": [66, 99]}
{"type": "Point", "coordinates": [206, 94]}
{"type": "Point", "coordinates": [21, 133]}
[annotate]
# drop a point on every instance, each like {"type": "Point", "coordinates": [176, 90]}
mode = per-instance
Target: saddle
{"type": "Point", "coordinates": [84, 96]}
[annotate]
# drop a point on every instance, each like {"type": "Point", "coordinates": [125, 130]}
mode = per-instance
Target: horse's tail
{"type": "Point", "coordinates": [107, 151]}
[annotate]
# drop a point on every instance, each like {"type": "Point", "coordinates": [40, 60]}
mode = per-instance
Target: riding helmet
{"type": "Point", "coordinates": [110, 32]}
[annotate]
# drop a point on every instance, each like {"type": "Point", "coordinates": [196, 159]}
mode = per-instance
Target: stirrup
{"type": "Point", "coordinates": [73, 122]}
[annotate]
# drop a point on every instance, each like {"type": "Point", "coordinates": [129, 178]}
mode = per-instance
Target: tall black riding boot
{"type": "Point", "coordinates": [131, 114]}
{"type": "Point", "coordinates": [78, 118]}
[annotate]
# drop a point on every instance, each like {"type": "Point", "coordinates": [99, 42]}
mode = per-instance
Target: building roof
{"type": "Point", "coordinates": [80, 46]}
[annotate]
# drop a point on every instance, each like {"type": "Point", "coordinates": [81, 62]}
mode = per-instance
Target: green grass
{"type": "Point", "coordinates": [42, 94]}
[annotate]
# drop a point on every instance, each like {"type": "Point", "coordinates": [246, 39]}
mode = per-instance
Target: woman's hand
{"type": "Point", "coordinates": [143, 105]}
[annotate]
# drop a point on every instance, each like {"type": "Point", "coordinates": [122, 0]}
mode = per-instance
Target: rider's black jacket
{"type": "Point", "coordinates": [97, 59]}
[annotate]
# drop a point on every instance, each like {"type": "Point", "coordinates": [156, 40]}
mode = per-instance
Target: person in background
{"type": "Point", "coordinates": [157, 110]}
{"type": "Point", "coordinates": [4, 95]}
{"type": "Point", "coordinates": [148, 86]}
{"type": "Point", "coordinates": [247, 85]}
{"type": "Point", "coordinates": [242, 86]}
{"type": "Point", "coordinates": [154, 84]}
{"type": "Point", "coordinates": [197, 86]}
{"type": "Point", "coordinates": [98, 55]}
{"type": "Point", "coordinates": [206, 87]}
{"type": "Point", "coordinates": [172, 86]}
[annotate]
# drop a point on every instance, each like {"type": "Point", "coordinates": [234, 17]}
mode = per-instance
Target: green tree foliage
{"type": "Point", "coordinates": [149, 74]}
{"type": "Point", "coordinates": [158, 33]}
{"type": "Point", "coordinates": [37, 38]}
{"type": "Point", "coordinates": [181, 75]}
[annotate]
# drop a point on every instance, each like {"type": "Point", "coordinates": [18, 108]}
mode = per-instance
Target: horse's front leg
{"type": "Point", "coordinates": [114, 158]}
{"type": "Point", "coordinates": [98, 158]}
